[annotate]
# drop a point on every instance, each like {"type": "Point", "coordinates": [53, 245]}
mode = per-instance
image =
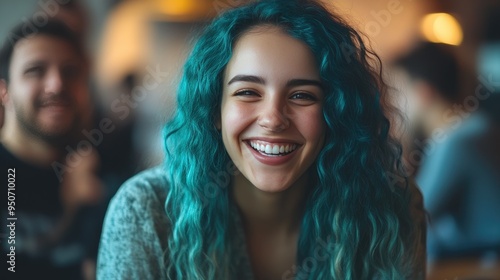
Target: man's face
{"type": "Point", "coordinates": [47, 93]}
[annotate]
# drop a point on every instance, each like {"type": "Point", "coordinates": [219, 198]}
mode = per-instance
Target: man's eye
{"type": "Point", "coordinates": [34, 70]}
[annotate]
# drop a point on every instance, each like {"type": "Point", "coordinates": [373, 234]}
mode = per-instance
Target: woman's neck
{"type": "Point", "coordinates": [270, 213]}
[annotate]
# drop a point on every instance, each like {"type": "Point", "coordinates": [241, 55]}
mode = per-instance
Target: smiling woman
{"type": "Point", "coordinates": [272, 99]}
{"type": "Point", "coordinates": [279, 163]}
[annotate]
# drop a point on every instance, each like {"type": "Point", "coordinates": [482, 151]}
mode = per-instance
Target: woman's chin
{"type": "Point", "coordinates": [269, 186]}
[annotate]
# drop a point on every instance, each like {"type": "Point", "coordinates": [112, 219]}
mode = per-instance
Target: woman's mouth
{"type": "Point", "coordinates": [272, 149]}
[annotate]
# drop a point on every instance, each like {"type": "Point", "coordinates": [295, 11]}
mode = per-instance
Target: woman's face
{"type": "Point", "coordinates": [271, 114]}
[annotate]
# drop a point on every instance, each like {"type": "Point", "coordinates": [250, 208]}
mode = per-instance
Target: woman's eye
{"type": "Point", "coordinates": [246, 93]}
{"type": "Point", "coordinates": [303, 96]}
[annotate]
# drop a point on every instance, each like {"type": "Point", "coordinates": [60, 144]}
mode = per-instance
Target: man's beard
{"type": "Point", "coordinates": [59, 137]}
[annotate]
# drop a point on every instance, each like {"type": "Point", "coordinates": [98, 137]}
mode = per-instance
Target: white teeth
{"type": "Point", "coordinates": [276, 149]}
{"type": "Point", "coordinates": [273, 149]}
{"type": "Point", "coordinates": [268, 149]}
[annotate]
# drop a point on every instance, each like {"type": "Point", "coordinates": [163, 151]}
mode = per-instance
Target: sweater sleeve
{"type": "Point", "coordinates": [133, 240]}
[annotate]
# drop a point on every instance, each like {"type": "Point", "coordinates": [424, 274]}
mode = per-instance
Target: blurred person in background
{"type": "Point", "coordinates": [455, 154]}
{"type": "Point", "coordinates": [431, 73]}
{"type": "Point", "coordinates": [44, 90]}
{"type": "Point", "coordinates": [72, 13]}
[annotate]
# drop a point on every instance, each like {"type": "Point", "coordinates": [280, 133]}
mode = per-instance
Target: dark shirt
{"type": "Point", "coordinates": [45, 248]}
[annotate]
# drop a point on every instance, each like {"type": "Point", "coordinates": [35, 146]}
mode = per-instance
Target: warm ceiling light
{"type": "Point", "coordinates": [442, 28]}
{"type": "Point", "coordinates": [177, 7]}
{"type": "Point", "coordinates": [183, 10]}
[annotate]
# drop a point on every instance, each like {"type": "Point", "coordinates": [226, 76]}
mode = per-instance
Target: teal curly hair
{"type": "Point", "coordinates": [360, 200]}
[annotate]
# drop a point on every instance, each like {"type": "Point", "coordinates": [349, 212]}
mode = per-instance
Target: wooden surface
{"type": "Point", "coordinates": [465, 270]}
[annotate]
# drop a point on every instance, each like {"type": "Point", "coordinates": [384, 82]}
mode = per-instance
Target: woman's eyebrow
{"type": "Point", "coordinates": [247, 78]}
{"type": "Point", "coordinates": [290, 83]}
{"type": "Point", "coordinates": [304, 82]}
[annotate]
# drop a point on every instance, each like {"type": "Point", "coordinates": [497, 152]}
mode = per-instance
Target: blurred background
{"type": "Point", "coordinates": [137, 49]}
{"type": "Point", "coordinates": [126, 38]}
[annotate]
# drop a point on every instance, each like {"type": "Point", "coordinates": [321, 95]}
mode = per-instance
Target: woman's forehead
{"type": "Point", "coordinates": [269, 51]}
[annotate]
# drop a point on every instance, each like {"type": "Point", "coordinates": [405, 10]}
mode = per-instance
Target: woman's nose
{"type": "Point", "coordinates": [274, 117]}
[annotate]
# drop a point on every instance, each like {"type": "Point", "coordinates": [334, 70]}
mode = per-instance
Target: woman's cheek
{"type": "Point", "coordinates": [313, 126]}
{"type": "Point", "coordinates": [237, 117]}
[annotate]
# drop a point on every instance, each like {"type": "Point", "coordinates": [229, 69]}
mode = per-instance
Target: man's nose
{"type": "Point", "coordinates": [54, 81]}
